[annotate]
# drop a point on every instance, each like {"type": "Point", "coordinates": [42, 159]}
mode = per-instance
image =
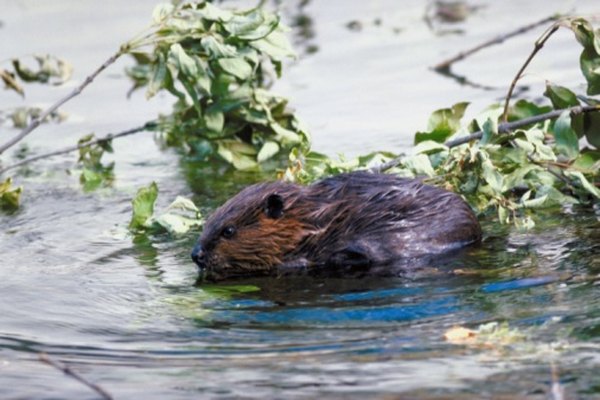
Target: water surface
{"type": "Point", "coordinates": [127, 312]}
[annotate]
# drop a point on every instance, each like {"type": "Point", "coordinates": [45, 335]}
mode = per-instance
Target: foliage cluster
{"type": "Point", "coordinates": [217, 63]}
{"type": "Point", "coordinates": [538, 165]}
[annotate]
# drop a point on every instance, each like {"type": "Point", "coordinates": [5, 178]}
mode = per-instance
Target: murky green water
{"type": "Point", "coordinates": [127, 314]}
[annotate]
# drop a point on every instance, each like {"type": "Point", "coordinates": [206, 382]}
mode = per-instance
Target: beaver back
{"type": "Point", "coordinates": [354, 219]}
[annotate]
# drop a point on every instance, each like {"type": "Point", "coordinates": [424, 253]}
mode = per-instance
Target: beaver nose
{"type": "Point", "coordinates": [198, 255]}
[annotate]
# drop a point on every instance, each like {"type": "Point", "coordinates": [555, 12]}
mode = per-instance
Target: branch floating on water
{"type": "Point", "coordinates": [146, 127]}
{"type": "Point", "coordinates": [445, 65]}
{"type": "Point", "coordinates": [75, 375]}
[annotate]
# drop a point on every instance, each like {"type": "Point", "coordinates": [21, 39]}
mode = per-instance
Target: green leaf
{"type": "Point", "coordinates": [489, 128]}
{"type": "Point", "coordinates": [214, 120]}
{"type": "Point", "coordinates": [588, 161]}
{"type": "Point", "coordinates": [253, 25]}
{"type": "Point", "coordinates": [492, 176]}
{"type": "Point", "coordinates": [268, 150]}
{"type": "Point", "coordinates": [213, 13]}
{"type": "Point", "coordinates": [566, 138]}
{"type": "Point", "coordinates": [143, 206]}
{"type": "Point", "coordinates": [236, 67]}
{"type": "Point", "coordinates": [584, 32]}
{"type": "Point", "coordinates": [560, 96]}
{"type": "Point", "coordinates": [429, 147]}
{"type": "Point", "coordinates": [590, 67]}
{"type": "Point", "coordinates": [159, 74]}
{"type": "Point", "coordinates": [9, 196]}
{"type": "Point", "coordinates": [217, 49]}
{"type": "Point", "coordinates": [524, 109]}
{"type": "Point", "coordinates": [443, 123]}
{"type": "Point", "coordinates": [589, 187]}
{"type": "Point", "coordinates": [161, 12]}
{"type": "Point", "coordinates": [186, 64]}
{"type": "Point", "coordinates": [276, 46]}
{"type": "Point", "coordinates": [420, 165]}
{"type": "Point", "coordinates": [241, 155]}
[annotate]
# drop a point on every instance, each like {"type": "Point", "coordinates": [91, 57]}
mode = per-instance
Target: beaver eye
{"type": "Point", "coordinates": [228, 232]}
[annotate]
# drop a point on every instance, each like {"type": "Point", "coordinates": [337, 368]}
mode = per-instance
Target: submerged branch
{"type": "Point", "coordinates": [445, 65]}
{"type": "Point", "coordinates": [75, 375]}
{"type": "Point", "coordinates": [37, 121]}
{"type": "Point", "coordinates": [146, 127]}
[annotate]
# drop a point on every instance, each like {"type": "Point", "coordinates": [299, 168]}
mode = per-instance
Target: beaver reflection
{"type": "Point", "coordinates": [355, 221]}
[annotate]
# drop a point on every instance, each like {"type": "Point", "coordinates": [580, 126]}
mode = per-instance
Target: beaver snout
{"type": "Point", "coordinates": [198, 256]}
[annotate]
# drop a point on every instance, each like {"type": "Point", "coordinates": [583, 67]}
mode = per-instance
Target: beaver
{"type": "Point", "coordinates": [354, 220]}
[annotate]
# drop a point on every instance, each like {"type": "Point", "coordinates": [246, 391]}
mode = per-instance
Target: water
{"type": "Point", "coordinates": [127, 313]}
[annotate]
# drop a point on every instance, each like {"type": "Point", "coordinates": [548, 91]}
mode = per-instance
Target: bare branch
{"type": "Point", "coordinates": [146, 127]}
{"type": "Point", "coordinates": [502, 128]}
{"type": "Point", "coordinates": [75, 375]}
{"type": "Point", "coordinates": [537, 47]}
{"type": "Point", "coordinates": [37, 121]}
{"type": "Point", "coordinates": [445, 65]}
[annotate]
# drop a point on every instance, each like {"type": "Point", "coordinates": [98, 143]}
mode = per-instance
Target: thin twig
{"type": "Point", "coordinates": [445, 65]}
{"type": "Point", "coordinates": [69, 372]}
{"type": "Point", "coordinates": [146, 126]}
{"type": "Point", "coordinates": [37, 121]}
{"type": "Point", "coordinates": [502, 128]}
{"type": "Point", "coordinates": [537, 47]}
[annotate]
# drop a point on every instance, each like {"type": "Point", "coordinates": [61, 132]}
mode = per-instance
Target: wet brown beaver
{"type": "Point", "coordinates": [356, 220]}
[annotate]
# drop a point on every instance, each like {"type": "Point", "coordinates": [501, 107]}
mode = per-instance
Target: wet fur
{"type": "Point", "coordinates": [354, 220]}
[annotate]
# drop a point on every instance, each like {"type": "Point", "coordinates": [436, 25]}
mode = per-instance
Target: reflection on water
{"type": "Point", "coordinates": [128, 314]}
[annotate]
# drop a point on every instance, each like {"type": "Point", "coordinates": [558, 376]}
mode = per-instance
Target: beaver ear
{"type": "Point", "coordinates": [274, 206]}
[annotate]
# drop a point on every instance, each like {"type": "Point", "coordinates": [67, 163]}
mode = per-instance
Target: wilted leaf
{"type": "Point", "coordinates": [9, 196]}
{"type": "Point", "coordinates": [10, 82]}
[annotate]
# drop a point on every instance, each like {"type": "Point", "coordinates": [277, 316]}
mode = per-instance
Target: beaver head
{"type": "Point", "coordinates": [251, 233]}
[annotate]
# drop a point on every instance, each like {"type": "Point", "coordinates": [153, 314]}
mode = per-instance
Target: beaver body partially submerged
{"type": "Point", "coordinates": [357, 221]}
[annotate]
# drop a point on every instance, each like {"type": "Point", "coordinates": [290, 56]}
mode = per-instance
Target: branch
{"type": "Point", "coordinates": [69, 372]}
{"type": "Point", "coordinates": [146, 127]}
{"type": "Point", "coordinates": [508, 126]}
{"type": "Point", "coordinates": [37, 121]}
{"type": "Point", "coordinates": [445, 65]}
{"type": "Point", "coordinates": [537, 47]}
{"type": "Point", "coordinates": [502, 128]}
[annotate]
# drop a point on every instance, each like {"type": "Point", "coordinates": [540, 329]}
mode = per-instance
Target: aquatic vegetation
{"type": "Point", "coordinates": [218, 64]}
{"type": "Point", "coordinates": [531, 160]}
{"type": "Point", "coordinates": [178, 218]}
